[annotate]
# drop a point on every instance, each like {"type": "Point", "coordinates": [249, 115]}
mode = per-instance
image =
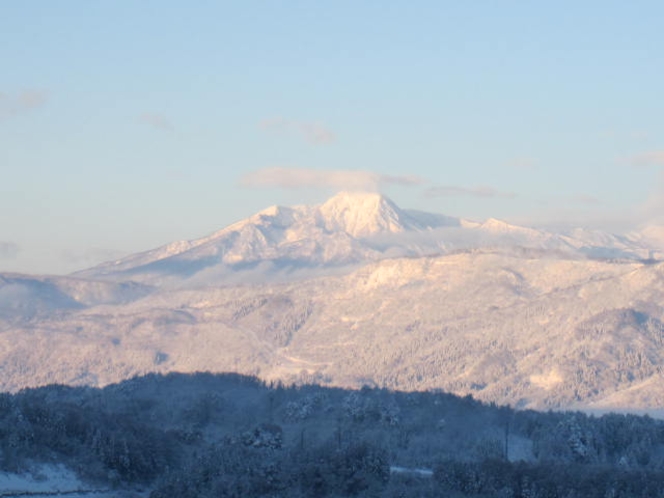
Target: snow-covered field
{"type": "Point", "coordinates": [46, 480]}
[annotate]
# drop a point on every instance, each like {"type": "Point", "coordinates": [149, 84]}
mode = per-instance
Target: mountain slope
{"type": "Point", "coordinates": [530, 331]}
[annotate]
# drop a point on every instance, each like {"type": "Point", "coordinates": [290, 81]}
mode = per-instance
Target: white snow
{"type": "Point", "coordinates": [413, 471]}
{"type": "Point", "coordinates": [547, 381]}
{"type": "Point", "coordinates": [43, 479]}
{"type": "Point", "coordinates": [362, 214]}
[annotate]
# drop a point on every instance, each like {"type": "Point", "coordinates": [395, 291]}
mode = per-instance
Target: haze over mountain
{"type": "Point", "coordinates": [359, 291]}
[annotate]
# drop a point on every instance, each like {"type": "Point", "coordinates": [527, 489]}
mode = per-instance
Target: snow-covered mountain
{"type": "Point", "coordinates": [383, 296]}
{"type": "Point", "coordinates": [350, 228]}
{"type": "Point", "coordinates": [522, 329]}
{"type": "Point", "coordinates": [335, 233]}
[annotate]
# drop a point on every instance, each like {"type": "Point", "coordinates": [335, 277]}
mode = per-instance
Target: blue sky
{"type": "Point", "coordinates": [127, 125]}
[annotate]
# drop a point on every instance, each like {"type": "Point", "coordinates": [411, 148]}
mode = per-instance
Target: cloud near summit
{"type": "Point", "coordinates": [295, 178]}
{"type": "Point", "coordinates": [453, 191]}
{"type": "Point", "coordinates": [650, 158]}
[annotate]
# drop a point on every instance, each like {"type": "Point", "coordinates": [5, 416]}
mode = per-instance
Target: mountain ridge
{"type": "Point", "coordinates": [349, 228]}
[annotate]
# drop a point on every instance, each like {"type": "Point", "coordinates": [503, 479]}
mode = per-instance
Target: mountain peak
{"type": "Point", "coordinates": [358, 200]}
{"type": "Point", "coordinates": [362, 214]}
{"type": "Point", "coordinates": [501, 226]}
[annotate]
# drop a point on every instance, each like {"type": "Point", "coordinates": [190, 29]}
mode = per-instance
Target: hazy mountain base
{"type": "Point", "coordinates": [228, 435]}
{"type": "Point", "coordinates": [524, 327]}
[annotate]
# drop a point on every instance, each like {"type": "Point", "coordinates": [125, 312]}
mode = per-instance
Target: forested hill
{"type": "Point", "coordinates": [229, 435]}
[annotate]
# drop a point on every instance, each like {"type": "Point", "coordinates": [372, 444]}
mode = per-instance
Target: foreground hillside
{"type": "Point", "coordinates": [525, 328]}
{"type": "Point", "coordinates": [228, 435]}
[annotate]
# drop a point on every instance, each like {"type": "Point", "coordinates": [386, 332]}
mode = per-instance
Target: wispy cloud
{"type": "Point", "coordinates": [312, 132]}
{"type": "Point", "coordinates": [522, 163]}
{"type": "Point", "coordinates": [295, 178]}
{"type": "Point", "coordinates": [613, 134]}
{"type": "Point", "coordinates": [455, 191]}
{"type": "Point", "coordinates": [650, 158]}
{"type": "Point", "coordinates": [586, 199]}
{"type": "Point", "coordinates": [651, 210]}
{"type": "Point", "coordinates": [20, 103]}
{"type": "Point", "coordinates": [156, 120]}
{"type": "Point", "coordinates": [9, 250]}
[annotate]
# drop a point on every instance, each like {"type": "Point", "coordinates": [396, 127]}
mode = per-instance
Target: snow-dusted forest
{"type": "Point", "coordinates": [204, 435]}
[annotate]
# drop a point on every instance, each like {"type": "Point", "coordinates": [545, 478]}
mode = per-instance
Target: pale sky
{"type": "Point", "coordinates": [126, 125]}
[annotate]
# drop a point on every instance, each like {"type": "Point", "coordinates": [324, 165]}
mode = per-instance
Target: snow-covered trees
{"type": "Point", "coordinates": [229, 435]}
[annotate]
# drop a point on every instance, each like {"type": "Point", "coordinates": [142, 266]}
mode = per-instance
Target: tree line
{"type": "Point", "coordinates": [232, 435]}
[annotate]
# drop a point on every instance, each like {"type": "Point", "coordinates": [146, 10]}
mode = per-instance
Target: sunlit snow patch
{"type": "Point", "coordinates": [547, 381]}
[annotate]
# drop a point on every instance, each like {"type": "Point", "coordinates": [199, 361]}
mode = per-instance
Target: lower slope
{"type": "Point", "coordinates": [528, 331]}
